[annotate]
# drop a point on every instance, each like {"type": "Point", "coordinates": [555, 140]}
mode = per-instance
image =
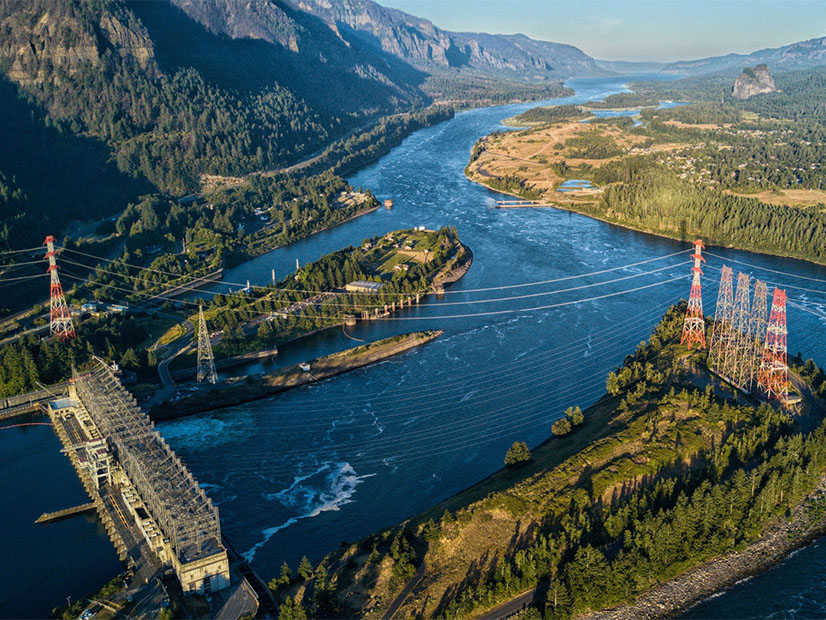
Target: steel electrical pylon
{"type": "Point", "coordinates": [206, 362]}
{"type": "Point", "coordinates": [739, 353]}
{"type": "Point", "coordinates": [60, 319]}
{"type": "Point", "coordinates": [773, 378]}
{"type": "Point", "coordinates": [722, 321]}
{"type": "Point", "coordinates": [757, 328]}
{"type": "Point", "coordinates": [694, 326]}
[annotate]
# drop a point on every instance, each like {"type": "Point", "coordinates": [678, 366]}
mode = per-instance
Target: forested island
{"type": "Point", "coordinates": [745, 174]}
{"type": "Point", "coordinates": [668, 470]}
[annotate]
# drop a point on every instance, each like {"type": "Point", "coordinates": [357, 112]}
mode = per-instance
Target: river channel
{"type": "Point", "coordinates": [297, 474]}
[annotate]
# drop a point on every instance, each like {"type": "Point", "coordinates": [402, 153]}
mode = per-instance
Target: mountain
{"type": "Point", "coordinates": [801, 55]}
{"type": "Point", "coordinates": [754, 81]}
{"type": "Point", "coordinates": [630, 66]}
{"type": "Point", "coordinates": [157, 94]}
{"type": "Point", "coordinates": [426, 46]}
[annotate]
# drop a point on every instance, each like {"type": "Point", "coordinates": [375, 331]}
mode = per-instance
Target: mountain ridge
{"type": "Point", "coordinates": [797, 55]}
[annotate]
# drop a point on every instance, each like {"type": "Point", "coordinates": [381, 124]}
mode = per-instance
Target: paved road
{"type": "Point", "coordinates": [397, 602]}
{"type": "Point", "coordinates": [167, 382]}
{"type": "Point", "coordinates": [511, 607]}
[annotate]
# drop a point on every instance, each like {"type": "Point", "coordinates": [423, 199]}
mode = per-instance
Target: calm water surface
{"type": "Point", "coordinates": [301, 472]}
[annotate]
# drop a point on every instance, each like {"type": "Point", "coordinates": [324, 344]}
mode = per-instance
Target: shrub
{"type": "Point", "coordinates": [518, 454]}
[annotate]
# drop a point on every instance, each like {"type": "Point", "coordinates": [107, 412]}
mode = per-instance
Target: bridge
{"type": "Point", "coordinates": [521, 204]}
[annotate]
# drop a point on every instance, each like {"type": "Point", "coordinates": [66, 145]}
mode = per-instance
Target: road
{"type": "Point", "coordinates": [167, 382]}
{"type": "Point", "coordinates": [506, 610]}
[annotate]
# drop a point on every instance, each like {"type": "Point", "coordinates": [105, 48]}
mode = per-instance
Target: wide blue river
{"type": "Point", "coordinates": [524, 338]}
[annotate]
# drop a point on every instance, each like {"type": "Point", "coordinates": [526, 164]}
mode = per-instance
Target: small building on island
{"type": "Point", "coordinates": [363, 286]}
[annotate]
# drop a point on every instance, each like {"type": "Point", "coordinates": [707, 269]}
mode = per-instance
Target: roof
{"type": "Point", "coordinates": [62, 403]}
{"type": "Point", "coordinates": [365, 285]}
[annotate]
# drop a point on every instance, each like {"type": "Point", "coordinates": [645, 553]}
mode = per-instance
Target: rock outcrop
{"type": "Point", "coordinates": [754, 81]}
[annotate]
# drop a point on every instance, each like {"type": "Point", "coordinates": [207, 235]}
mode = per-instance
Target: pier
{"type": "Point", "coordinates": [48, 517]}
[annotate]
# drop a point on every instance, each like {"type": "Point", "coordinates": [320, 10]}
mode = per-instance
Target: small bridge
{"type": "Point", "coordinates": [519, 204]}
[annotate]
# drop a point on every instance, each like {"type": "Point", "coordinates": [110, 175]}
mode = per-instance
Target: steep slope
{"type": "Point", "coordinates": [800, 55]}
{"type": "Point", "coordinates": [665, 472]}
{"type": "Point", "coordinates": [175, 98]}
{"type": "Point", "coordinates": [425, 45]}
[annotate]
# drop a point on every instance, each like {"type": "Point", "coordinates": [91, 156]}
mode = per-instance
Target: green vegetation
{"type": "Point", "coordinates": [474, 90]}
{"type": "Point", "coordinates": [29, 361]}
{"type": "Point", "coordinates": [345, 156]}
{"type": "Point", "coordinates": [670, 476]}
{"type": "Point", "coordinates": [518, 454]}
{"type": "Point", "coordinates": [405, 263]}
{"type": "Point", "coordinates": [550, 114]}
{"type": "Point", "coordinates": [593, 145]}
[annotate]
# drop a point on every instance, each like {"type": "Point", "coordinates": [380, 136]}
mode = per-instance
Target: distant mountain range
{"type": "Point", "coordinates": [801, 55]}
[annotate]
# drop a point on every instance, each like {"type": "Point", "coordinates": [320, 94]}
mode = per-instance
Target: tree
{"type": "Point", "coordinates": [291, 611]}
{"type": "Point", "coordinates": [612, 384]}
{"type": "Point", "coordinates": [518, 454]}
{"type": "Point", "coordinates": [305, 569]}
{"type": "Point", "coordinates": [575, 415]}
{"type": "Point", "coordinates": [561, 427]}
{"type": "Point", "coordinates": [286, 574]}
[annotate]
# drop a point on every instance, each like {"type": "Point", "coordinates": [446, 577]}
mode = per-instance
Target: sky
{"type": "Point", "coordinates": [639, 30]}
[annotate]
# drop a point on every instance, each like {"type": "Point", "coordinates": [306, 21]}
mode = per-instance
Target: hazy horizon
{"type": "Point", "coordinates": [638, 30]}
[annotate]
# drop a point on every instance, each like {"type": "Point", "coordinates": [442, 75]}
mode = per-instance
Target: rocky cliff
{"type": "Point", "coordinates": [754, 81]}
{"type": "Point", "coordinates": [421, 43]}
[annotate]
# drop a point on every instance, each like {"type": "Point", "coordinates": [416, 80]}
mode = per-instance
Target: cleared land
{"type": "Point", "coordinates": [532, 155]}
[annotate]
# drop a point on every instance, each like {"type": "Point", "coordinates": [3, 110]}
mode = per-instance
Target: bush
{"type": "Point", "coordinates": [518, 454]}
{"type": "Point", "coordinates": [561, 427]}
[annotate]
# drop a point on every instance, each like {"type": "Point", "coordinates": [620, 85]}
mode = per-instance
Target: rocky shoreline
{"type": "Point", "coordinates": [806, 524]}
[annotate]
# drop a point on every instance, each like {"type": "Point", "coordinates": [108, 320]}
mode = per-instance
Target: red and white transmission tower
{"type": "Point", "coordinates": [694, 326]}
{"type": "Point", "coordinates": [773, 378]}
{"type": "Point", "coordinates": [60, 319]}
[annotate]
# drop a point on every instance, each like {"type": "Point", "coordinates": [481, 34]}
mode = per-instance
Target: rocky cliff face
{"type": "Point", "coordinates": [425, 45]}
{"type": "Point", "coordinates": [41, 39]}
{"type": "Point", "coordinates": [753, 82]}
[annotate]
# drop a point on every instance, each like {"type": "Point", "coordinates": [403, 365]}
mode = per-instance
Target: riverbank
{"type": "Point", "coordinates": [806, 524]}
{"type": "Point", "coordinates": [658, 179]}
{"type": "Point", "coordinates": [245, 389]}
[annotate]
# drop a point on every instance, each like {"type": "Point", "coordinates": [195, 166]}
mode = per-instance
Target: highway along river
{"type": "Point", "coordinates": [301, 472]}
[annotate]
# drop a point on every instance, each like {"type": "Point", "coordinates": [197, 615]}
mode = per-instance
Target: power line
{"type": "Point", "coordinates": [447, 303]}
{"type": "Point", "coordinates": [784, 273]}
{"type": "Point", "coordinates": [462, 291]}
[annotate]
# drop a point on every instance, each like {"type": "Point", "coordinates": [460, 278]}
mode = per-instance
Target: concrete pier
{"type": "Point", "coordinates": [48, 517]}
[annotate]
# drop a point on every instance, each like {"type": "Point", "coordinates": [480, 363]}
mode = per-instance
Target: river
{"type": "Point", "coordinates": [299, 473]}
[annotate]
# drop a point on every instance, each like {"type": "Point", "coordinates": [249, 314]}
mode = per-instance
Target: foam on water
{"type": "Point", "coordinates": [339, 487]}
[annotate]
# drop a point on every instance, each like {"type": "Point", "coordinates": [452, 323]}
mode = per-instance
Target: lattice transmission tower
{"type": "Point", "coordinates": [757, 328]}
{"type": "Point", "coordinates": [206, 361]}
{"type": "Point", "coordinates": [739, 353]}
{"type": "Point", "coordinates": [60, 319]}
{"type": "Point", "coordinates": [694, 325]}
{"type": "Point", "coordinates": [722, 321]}
{"type": "Point", "coordinates": [773, 378]}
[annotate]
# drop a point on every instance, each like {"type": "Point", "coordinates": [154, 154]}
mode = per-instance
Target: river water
{"type": "Point", "coordinates": [299, 473]}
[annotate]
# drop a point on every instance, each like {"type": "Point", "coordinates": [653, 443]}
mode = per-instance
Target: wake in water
{"type": "Point", "coordinates": [339, 486]}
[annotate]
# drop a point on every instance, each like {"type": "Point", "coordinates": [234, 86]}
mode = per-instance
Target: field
{"type": "Point", "coordinates": [533, 155]}
{"type": "Point", "coordinates": [789, 197]}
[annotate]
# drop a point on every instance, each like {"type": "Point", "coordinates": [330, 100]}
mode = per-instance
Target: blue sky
{"type": "Point", "coordinates": [635, 29]}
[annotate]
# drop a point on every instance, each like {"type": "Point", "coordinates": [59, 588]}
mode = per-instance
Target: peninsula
{"type": "Point", "coordinates": [720, 170]}
{"type": "Point", "coordinates": [672, 474]}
